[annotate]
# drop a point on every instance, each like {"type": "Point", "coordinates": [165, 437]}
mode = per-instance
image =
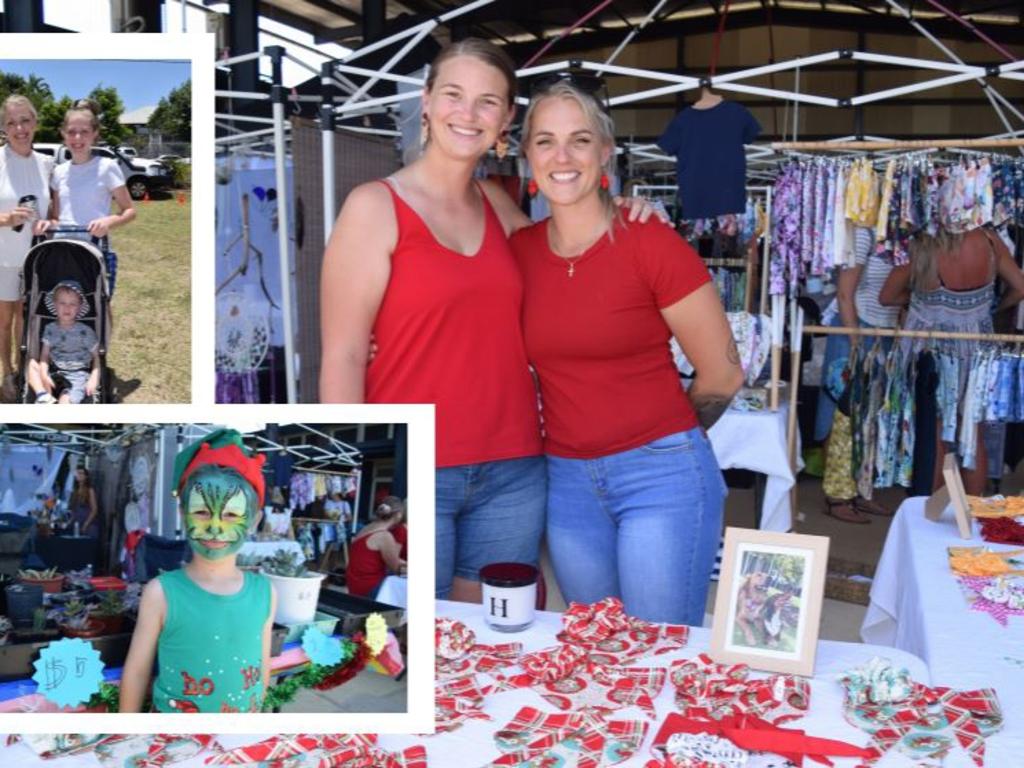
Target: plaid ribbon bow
{"type": "Point", "coordinates": [322, 751]}
{"type": "Point", "coordinates": [457, 700]}
{"type": "Point", "coordinates": [568, 681]}
{"type": "Point", "coordinates": [919, 723]}
{"type": "Point", "coordinates": [612, 637]}
{"type": "Point", "coordinates": [582, 739]}
{"type": "Point", "coordinates": [459, 654]}
{"type": "Point", "coordinates": [710, 690]}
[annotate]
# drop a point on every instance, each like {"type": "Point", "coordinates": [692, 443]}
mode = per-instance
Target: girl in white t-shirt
{"type": "Point", "coordinates": [83, 188]}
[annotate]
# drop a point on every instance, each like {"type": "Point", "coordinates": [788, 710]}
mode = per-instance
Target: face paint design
{"type": "Point", "coordinates": [216, 518]}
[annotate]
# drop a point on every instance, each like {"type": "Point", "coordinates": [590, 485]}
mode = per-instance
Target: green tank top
{"type": "Point", "coordinates": [211, 647]}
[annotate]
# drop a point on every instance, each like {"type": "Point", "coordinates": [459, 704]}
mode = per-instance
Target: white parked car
{"type": "Point", "coordinates": [140, 175]}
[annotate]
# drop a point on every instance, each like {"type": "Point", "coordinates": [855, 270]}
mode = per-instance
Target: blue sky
{"type": "Point", "coordinates": [140, 83]}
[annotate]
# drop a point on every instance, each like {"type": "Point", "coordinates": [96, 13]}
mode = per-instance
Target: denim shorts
{"type": "Point", "coordinates": [490, 512]}
{"type": "Point", "coordinates": [642, 525]}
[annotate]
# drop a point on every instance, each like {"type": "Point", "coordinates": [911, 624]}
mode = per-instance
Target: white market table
{"type": "Point", "coordinates": [756, 440]}
{"type": "Point", "coordinates": [394, 590]}
{"type": "Point", "coordinates": [472, 745]}
{"type": "Point", "coordinates": [917, 606]}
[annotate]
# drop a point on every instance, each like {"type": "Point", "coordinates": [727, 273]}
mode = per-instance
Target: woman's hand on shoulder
{"type": "Point", "coordinates": [641, 209]}
{"type": "Point", "coordinates": [509, 213]}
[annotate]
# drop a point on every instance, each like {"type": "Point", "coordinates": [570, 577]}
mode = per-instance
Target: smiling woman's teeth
{"type": "Point", "coordinates": [565, 176]}
{"type": "Point", "coordinates": [465, 131]}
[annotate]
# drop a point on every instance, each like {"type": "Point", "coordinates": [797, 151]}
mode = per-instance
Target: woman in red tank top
{"type": "Point", "coordinates": [374, 550]}
{"type": "Point", "coordinates": [422, 262]}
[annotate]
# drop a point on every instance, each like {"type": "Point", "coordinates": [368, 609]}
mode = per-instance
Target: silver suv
{"type": "Point", "coordinates": [141, 176]}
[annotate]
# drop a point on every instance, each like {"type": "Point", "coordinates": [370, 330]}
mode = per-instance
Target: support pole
{"type": "Point", "coordinates": [24, 16]}
{"type": "Point", "coordinates": [327, 147]}
{"type": "Point", "coordinates": [279, 97]}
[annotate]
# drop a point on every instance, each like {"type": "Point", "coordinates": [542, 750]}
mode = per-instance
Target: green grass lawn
{"type": "Point", "coordinates": [150, 351]}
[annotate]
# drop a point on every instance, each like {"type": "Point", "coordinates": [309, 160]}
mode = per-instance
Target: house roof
{"type": "Point", "coordinates": [138, 116]}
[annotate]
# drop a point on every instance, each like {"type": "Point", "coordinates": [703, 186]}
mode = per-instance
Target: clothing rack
{"type": "Point", "coordinates": [725, 262]}
{"type": "Point", "coordinates": [906, 144]}
{"type": "Point", "coordinates": [1004, 338]}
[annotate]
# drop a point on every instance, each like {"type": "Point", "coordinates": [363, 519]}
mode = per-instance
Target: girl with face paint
{"type": "Point", "coordinates": [208, 624]}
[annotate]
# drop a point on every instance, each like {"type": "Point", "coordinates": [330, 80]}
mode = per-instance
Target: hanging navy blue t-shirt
{"type": "Point", "coordinates": [711, 166]}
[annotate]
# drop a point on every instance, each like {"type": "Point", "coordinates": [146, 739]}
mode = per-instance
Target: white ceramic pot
{"type": "Point", "coordinates": [296, 597]}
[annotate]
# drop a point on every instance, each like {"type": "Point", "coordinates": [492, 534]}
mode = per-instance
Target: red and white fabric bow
{"type": "Point", "coordinates": [582, 739]}
{"type": "Point", "coordinates": [567, 681]}
{"type": "Point", "coordinates": [706, 689]}
{"type": "Point", "coordinates": [918, 724]}
{"type": "Point", "coordinates": [458, 653]}
{"type": "Point", "coordinates": [323, 751]}
{"type": "Point", "coordinates": [613, 637]}
{"type": "Point", "coordinates": [457, 700]}
{"type": "Point", "coordinates": [752, 734]}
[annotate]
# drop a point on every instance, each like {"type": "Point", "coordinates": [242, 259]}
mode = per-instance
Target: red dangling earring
{"type": "Point", "coordinates": [604, 181]}
{"type": "Point", "coordinates": [531, 187]}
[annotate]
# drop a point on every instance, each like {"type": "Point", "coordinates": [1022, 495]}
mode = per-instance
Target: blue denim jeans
{"type": "Point", "coordinates": [837, 347]}
{"type": "Point", "coordinates": [642, 525]}
{"type": "Point", "coordinates": [492, 512]}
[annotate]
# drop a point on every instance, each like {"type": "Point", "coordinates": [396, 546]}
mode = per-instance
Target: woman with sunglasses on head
{"type": "Point", "coordinates": [421, 260]}
{"type": "Point", "coordinates": [635, 494]}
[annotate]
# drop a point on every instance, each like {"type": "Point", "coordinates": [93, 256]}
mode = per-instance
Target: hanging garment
{"type": "Point", "coordinates": [711, 165]}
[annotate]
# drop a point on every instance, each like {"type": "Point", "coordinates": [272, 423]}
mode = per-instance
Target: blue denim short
{"type": "Point", "coordinates": [490, 512]}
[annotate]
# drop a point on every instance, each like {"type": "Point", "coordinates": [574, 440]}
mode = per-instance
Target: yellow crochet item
{"type": "Point", "coordinates": [977, 561]}
{"type": "Point", "coordinates": [376, 633]}
{"type": "Point", "coordinates": [1012, 506]}
{"type": "Point", "coordinates": [862, 194]}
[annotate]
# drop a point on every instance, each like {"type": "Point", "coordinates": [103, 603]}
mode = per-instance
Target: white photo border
{"type": "Point", "coordinates": [419, 717]}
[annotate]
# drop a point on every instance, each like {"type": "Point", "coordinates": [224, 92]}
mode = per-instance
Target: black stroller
{"type": "Point", "coordinates": [46, 264]}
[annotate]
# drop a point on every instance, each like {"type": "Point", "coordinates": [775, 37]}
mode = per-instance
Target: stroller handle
{"type": "Point", "coordinates": [73, 229]}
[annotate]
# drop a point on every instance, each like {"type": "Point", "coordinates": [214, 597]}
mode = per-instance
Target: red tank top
{"type": "Point", "coordinates": [448, 332]}
{"type": "Point", "coordinates": [365, 569]}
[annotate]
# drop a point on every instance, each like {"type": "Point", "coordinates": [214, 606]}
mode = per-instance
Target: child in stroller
{"type": "Point", "coordinates": [68, 369]}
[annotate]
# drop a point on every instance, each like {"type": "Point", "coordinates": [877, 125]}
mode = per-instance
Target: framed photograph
{"type": "Point", "coordinates": [768, 606]}
{"type": "Point", "coordinates": [951, 493]}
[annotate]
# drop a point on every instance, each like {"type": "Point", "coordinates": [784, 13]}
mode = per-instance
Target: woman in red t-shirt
{"type": "Point", "coordinates": [635, 494]}
{"type": "Point", "coordinates": [374, 551]}
{"type": "Point", "coordinates": [422, 261]}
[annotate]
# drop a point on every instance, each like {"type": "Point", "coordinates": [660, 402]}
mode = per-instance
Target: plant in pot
{"type": "Point", "coordinates": [22, 601]}
{"type": "Point", "coordinates": [298, 588]}
{"type": "Point", "coordinates": [76, 621]}
{"type": "Point", "coordinates": [49, 580]}
{"type": "Point", "coordinates": [110, 612]}
{"type": "Point", "coordinates": [5, 629]}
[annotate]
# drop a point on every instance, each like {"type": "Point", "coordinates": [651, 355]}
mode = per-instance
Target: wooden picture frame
{"type": "Point", "coordinates": [768, 605]}
{"type": "Point", "coordinates": [952, 492]}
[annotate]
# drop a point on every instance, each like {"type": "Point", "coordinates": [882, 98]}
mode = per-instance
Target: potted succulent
{"type": "Point", "coordinates": [298, 589]}
{"type": "Point", "coordinates": [49, 579]}
{"type": "Point", "coordinates": [22, 601]}
{"type": "Point", "coordinates": [76, 621]}
{"type": "Point", "coordinates": [110, 612]}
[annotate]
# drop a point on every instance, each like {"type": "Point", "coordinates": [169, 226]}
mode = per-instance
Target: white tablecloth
{"type": "Point", "coordinates": [917, 606]}
{"type": "Point", "coordinates": [394, 590]}
{"type": "Point", "coordinates": [268, 548]}
{"type": "Point", "coordinates": [757, 441]}
{"type": "Point", "coordinates": [472, 745]}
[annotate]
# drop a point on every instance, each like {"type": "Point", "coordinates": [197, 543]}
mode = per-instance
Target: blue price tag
{"type": "Point", "coordinates": [320, 648]}
{"type": "Point", "coordinates": [68, 672]}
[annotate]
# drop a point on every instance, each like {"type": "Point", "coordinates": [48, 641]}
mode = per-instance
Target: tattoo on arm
{"type": "Point", "coordinates": [732, 352]}
{"type": "Point", "coordinates": [709, 408]}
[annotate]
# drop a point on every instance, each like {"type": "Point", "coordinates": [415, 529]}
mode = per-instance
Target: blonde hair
{"type": "Point", "coordinates": [924, 252]}
{"type": "Point", "coordinates": [17, 100]}
{"type": "Point", "coordinates": [480, 49]}
{"type": "Point", "coordinates": [87, 107]}
{"type": "Point", "coordinates": [601, 123]}
{"type": "Point", "coordinates": [389, 508]}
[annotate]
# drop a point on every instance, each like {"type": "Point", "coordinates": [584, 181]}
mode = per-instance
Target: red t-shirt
{"type": "Point", "coordinates": [366, 568]}
{"type": "Point", "coordinates": [401, 534]}
{"type": "Point", "coordinates": [598, 341]}
{"type": "Point", "coordinates": [448, 333]}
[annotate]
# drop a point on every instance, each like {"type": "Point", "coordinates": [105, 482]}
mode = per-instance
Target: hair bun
{"type": "Point", "coordinates": [89, 104]}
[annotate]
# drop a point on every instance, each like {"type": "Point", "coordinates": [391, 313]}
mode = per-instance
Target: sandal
{"type": "Point", "coordinates": [869, 507]}
{"type": "Point", "coordinates": [845, 511]}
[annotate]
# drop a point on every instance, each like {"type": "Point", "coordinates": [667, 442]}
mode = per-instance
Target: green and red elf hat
{"type": "Point", "coordinates": [220, 448]}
